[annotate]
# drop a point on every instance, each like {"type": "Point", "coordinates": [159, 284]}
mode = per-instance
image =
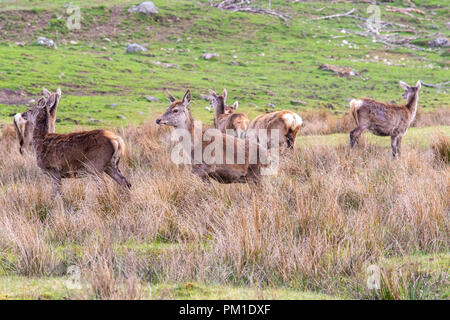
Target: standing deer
{"type": "Point", "coordinates": [74, 154]}
{"type": "Point", "coordinates": [287, 123]}
{"type": "Point", "coordinates": [218, 167]}
{"type": "Point", "coordinates": [24, 128]}
{"type": "Point", "coordinates": [225, 117]}
{"type": "Point", "coordinates": [385, 119]}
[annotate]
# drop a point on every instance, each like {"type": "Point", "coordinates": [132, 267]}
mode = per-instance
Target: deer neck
{"type": "Point", "coordinates": [411, 104]}
{"type": "Point", "coordinates": [188, 124]}
{"type": "Point", "coordinates": [196, 135]}
{"type": "Point", "coordinates": [41, 128]}
{"type": "Point", "coordinates": [218, 111]}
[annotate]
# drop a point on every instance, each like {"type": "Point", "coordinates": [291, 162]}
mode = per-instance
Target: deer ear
{"type": "Point", "coordinates": [51, 101]}
{"type": "Point", "coordinates": [186, 98]}
{"type": "Point", "coordinates": [213, 94]}
{"type": "Point", "coordinates": [55, 101]}
{"type": "Point", "coordinates": [224, 94]}
{"type": "Point", "coordinates": [403, 85]}
{"type": "Point", "coordinates": [42, 102]}
{"type": "Point", "coordinates": [171, 97]}
{"type": "Point", "coordinates": [418, 84]}
{"type": "Point", "coordinates": [235, 105]}
{"type": "Point", "coordinates": [46, 92]}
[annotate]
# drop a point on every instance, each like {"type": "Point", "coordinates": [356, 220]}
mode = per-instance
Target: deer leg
{"type": "Point", "coordinates": [399, 145]}
{"type": "Point", "coordinates": [396, 143]}
{"type": "Point", "coordinates": [354, 136]}
{"type": "Point", "coordinates": [202, 171]}
{"type": "Point", "coordinates": [56, 185]}
{"type": "Point", "coordinates": [99, 180]}
{"type": "Point", "coordinates": [394, 146]}
{"type": "Point", "coordinates": [118, 177]}
{"type": "Point", "coordinates": [290, 140]}
{"type": "Point", "coordinates": [21, 147]}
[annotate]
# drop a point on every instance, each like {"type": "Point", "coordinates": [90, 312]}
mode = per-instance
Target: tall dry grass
{"type": "Point", "coordinates": [324, 122]}
{"type": "Point", "coordinates": [317, 225]}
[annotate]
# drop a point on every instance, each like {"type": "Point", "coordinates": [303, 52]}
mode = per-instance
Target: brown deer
{"type": "Point", "coordinates": [24, 128]}
{"type": "Point", "coordinates": [218, 167]}
{"type": "Point", "coordinates": [287, 123]}
{"type": "Point", "coordinates": [74, 154]}
{"type": "Point", "coordinates": [385, 119]}
{"type": "Point", "coordinates": [225, 117]}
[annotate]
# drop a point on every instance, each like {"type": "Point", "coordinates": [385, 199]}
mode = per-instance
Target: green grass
{"type": "Point", "coordinates": [288, 70]}
{"type": "Point", "coordinates": [195, 291]}
{"type": "Point", "coordinates": [55, 288]}
{"type": "Point", "coordinates": [19, 287]}
{"type": "Point", "coordinates": [426, 276]}
{"type": "Point", "coordinates": [24, 288]}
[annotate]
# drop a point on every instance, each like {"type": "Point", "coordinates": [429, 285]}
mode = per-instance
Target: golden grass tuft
{"type": "Point", "coordinates": [441, 147]}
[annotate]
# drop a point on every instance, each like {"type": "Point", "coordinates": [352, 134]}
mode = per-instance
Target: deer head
{"type": "Point", "coordinates": [177, 114]}
{"type": "Point", "coordinates": [44, 108]}
{"type": "Point", "coordinates": [410, 92]}
{"type": "Point", "coordinates": [231, 109]}
{"type": "Point", "coordinates": [218, 102]}
{"type": "Point", "coordinates": [42, 100]}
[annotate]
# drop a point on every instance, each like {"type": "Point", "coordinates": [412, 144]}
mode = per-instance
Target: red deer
{"type": "Point", "coordinates": [24, 128]}
{"type": "Point", "coordinates": [287, 123]}
{"type": "Point", "coordinates": [225, 117]}
{"type": "Point", "coordinates": [74, 154]}
{"type": "Point", "coordinates": [385, 119]}
{"type": "Point", "coordinates": [218, 167]}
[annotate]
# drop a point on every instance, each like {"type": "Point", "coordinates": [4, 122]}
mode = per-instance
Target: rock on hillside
{"type": "Point", "coordinates": [146, 7]}
{"type": "Point", "coordinates": [134, 47]}
{"type": "Point", "coordinates": [43, 41]}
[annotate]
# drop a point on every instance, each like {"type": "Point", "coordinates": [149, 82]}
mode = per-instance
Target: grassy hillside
{"type": "Point", "coordinates": [262, 60]}
{"type": "Point", "coordinates": [311, 232]}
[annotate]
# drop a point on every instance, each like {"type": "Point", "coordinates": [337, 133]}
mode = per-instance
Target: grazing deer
{"type": "Point", "coordinates": [217, 167]}
{"type": "Point", "coordinates": [24, 128]}
{"type": "Point", "coordinates": [287, 122]}
{"type": "Point", "coordinates": [225, 117]}
{"type": "Point", "coordinates": [385, 119]}
{"type": "Point", "coordinates": [74, 154]}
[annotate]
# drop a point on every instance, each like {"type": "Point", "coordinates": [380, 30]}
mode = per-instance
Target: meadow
{"type": "Point", "coordinates": [311, 232]}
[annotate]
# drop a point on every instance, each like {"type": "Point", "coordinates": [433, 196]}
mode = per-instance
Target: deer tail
{"type": "Point", "coordinates": [19, 133]}
{"type": "Point", "coordinates": [244, 126]}
{"type": "Point", "coordinates": [355, 104]}
{"type": "Point", "coordinates": [118, 145]}
{"type": "Point", "coordinates": [292, 121]}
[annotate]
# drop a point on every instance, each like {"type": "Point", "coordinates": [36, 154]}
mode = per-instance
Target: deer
{"type": "Point", "coordinates": [384, 119]}
{"type": "Point", "coordinates": [74, 154]}
{"type": "Point", "coordinates": [287, 123]}
{"type": "Point", "coordinates": [218, 168]}
{"type": "Point", "coordinates": [225, 118]}
{"type": "Point", "coordinates": [23, 127]}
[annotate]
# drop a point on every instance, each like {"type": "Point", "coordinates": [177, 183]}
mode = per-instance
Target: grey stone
{"type": "Point", "coordinates": [152, 99]}
{"type": "Point", "coordinates": [49, 43]}
{"type": "Point", "coordinates": [146, 7]}
{"type": "Point", "coordinates": [297, 102]}
{"type": "Point", "coordinates": [439, 42]}
{"type": "Point", "coordinates": [134, 47]}
{"type": "Point", "coordinates": [209, 56]}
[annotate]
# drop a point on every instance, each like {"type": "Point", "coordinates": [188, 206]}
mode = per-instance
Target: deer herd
{"type": "Point", "coordinates": [96, 152]}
